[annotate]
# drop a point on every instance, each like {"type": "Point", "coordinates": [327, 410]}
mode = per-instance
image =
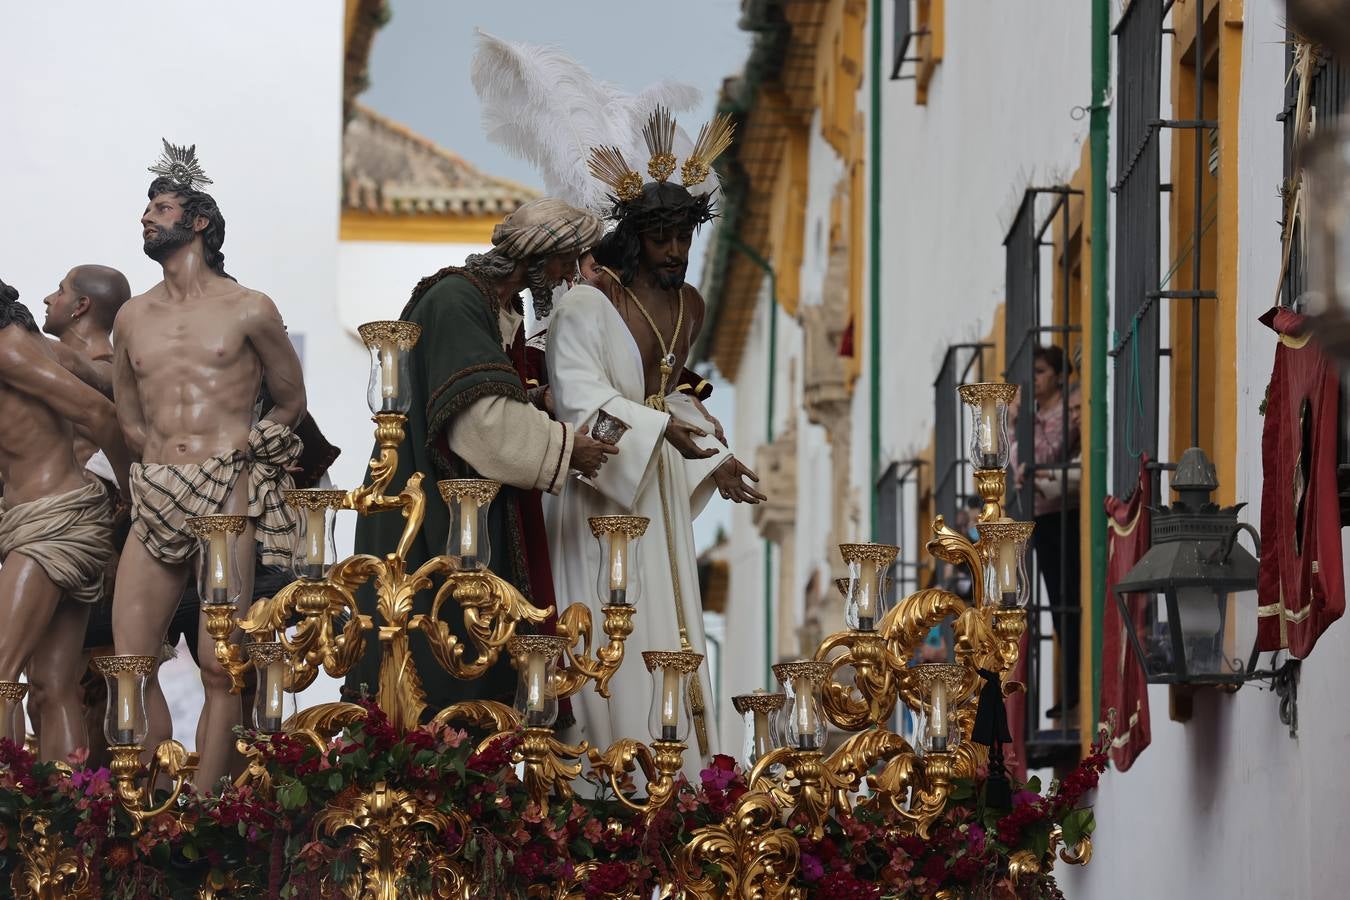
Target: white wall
{"type": "Point", "coordinates": [89, 90]}
{"type": "Point", "coordinates": [374, 281]}
{"type": "Point", "coordinates": [1228, 805]}
{"type": "Point", "coordinates": [998, 120]}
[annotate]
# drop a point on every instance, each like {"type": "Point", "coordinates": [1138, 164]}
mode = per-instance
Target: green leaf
{"type": "Point", "coordinates": [1033, 784]}
{"type": "Point", "coordinates": [190, 851]}
{"type": "Point", "coordinates": [1037, 839]}
{"type": "Point", "coordinates": [1077, 825]}
{"type": "Point", "coordinates": [335, 781]}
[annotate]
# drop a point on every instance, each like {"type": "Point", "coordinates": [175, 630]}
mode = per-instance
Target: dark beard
{"type": "Point", "coordinates": [161, 245]}
{"type": "Point", "coordinates": [669, 281]}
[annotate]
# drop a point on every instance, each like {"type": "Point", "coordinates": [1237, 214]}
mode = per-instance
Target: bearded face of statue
{"type": "Point", "coordinates": [165, 227]}
{"type": "Point", "coordinates": [665, 254]}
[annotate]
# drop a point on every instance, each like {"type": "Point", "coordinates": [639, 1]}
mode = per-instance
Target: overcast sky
{"type": "Point", "coordinates": [419, 67]}
{"type": "Point", "coordinates": [419, 76]}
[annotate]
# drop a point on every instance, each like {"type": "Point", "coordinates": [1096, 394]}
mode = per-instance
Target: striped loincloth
{"type": "Point", "coordinates": [69, 535]}
{"type": "Point", "coordinates": [164, 497]}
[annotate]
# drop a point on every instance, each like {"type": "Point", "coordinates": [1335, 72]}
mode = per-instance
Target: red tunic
{"type": "Point", "coordinates": [1301, 584]}
{"type": "Point", "coordinates": [1124, 686]}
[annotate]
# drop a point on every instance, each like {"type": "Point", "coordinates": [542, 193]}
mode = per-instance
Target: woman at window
{"type": "Point", "coordinates": [1056, 539]}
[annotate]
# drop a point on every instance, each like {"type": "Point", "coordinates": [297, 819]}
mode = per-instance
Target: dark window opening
{"type": "Point", "coordinates": [899, 507]}
{"type": "Point", "coordinates": [1043, 316]}
{"type": "Point", "coordinates": [903, 33]}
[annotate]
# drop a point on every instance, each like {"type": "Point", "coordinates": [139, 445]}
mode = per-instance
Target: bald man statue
{"type": "Point", "coordinates": [80, 314]}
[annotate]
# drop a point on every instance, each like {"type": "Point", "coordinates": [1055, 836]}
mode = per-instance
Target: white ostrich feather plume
{"type": "Point", "coordinates": [542, 106]}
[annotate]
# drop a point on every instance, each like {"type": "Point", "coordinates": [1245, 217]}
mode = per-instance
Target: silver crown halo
{"type": "Point", "coordinates": [180, 165]}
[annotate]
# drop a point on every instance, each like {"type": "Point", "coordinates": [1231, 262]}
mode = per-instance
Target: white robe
{"type": "Point", "coordinates": [593, 364]}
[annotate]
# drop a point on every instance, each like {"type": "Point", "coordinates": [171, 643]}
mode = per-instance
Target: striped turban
{"type": "Point", "coordinates": [546, 227]}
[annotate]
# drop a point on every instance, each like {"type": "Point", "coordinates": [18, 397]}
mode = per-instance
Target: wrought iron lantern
{"type": "Point", "coordinates": [1182, 584]}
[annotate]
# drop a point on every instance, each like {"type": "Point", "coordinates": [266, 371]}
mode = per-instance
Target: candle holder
{"type": "Point", "coordinates": [547, 761]}
{"type": "Point", "coordinates": [988, 402]}
{"type": "Point", "coordinates": [11, 695]}
{"type": "Point", "coordinates": [868, 568]}
{"type": "Point", "coordinates": [668, 721]}
{"type": "Point", "coordinates": [316, 517]}
{"type": "Point", "coordinates": [220, 581]}
{"type": "Point", "coordinates": [390, 343]}
{"type": "Point", "coordinates": [668, 718]}
{"type": "Point", "coordinates": [619, 581]}
{"type": "Point", "coordinates": [269, 706]}
{"type": "Point", "coordinates": [804, 725]}
{"type": "Point", "coordinates": [940, 687]}
{"type": "Point", "coordinates": [469, 500]}
{"type": "Point", "coordinates": [1003, 545]}
{"type": "Point", "coordinates": [760, 712]}
{"type": "Point", "coordinates": [125, 725]}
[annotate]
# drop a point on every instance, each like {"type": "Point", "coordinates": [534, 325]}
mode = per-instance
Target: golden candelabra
{"type": "Point", "coordinates": [852, 684]}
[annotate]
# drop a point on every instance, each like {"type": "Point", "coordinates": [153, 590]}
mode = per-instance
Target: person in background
{"type": "Point", "coordinates": [1056, 538]}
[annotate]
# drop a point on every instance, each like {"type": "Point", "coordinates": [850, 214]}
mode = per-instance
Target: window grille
{"type": "Point", "coordinates": [1140, 282]}
{"type": "Point", "coordinates": [952, 487]}
{"type": "Point", "coordinates": [902, 35]}
{"type": "Point", "coordinates": [1138, 236]}
{"type": "Point", "coordinates": [898, 505]}
{"type": "Point", "coordinates": [1041, 234]}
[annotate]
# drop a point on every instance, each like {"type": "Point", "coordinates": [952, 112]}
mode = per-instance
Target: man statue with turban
{"type": "Point", "coordinates": [471, 417]}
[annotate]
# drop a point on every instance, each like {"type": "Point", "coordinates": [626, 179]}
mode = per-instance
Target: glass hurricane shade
{"type": "Point", "coordinates": [389, 389]}
{"type": "Point", "coordinates": [988, 402]}
{"type": "Point", "coordinates": [125, 722]}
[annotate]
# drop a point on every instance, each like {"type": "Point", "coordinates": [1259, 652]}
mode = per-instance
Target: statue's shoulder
{"type": "Point", "coordinates": [450, 295]}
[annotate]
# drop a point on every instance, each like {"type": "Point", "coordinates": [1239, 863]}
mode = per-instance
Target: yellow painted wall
{"type": "Point", "coordinates": [435, 229]}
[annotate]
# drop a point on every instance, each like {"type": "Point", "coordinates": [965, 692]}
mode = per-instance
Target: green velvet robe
{"type": "Point", "coordinates": [458, 360]}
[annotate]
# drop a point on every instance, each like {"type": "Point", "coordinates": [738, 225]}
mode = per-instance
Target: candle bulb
{"type": "Point", "coordinates": [670, 703]}
{"type": "Point", "coordinates": [126, 708]}
{"type": "Point", "coordinates": [314, 543]}
{"type": "Point", "coordinates": [219, 569]}
{"type": "Point", "coordinates": [468, 534]}
{"type": "Point", "coordinates": [763, 743]}
{"type": "Point", "coordinates": [806, 714]}
{"type": "Point", "coordinates": [1007, 574]}
{"type": "Point", "coordinates": [618, 568]}
{"type": "Point", "coordinates": [938, 727]}
{"type": "Point", "coordinates": [388, 374]}
{"type": "Point", "coordinates": [537, 667]}
{"type": "Point", "coordinates": [276, 682]}
{"type": "Point", "coordinates": [989, 430]}
{"type": "Point", "coordinates": [866, 597]}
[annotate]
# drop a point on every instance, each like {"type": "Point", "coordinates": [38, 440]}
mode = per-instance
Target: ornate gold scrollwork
{"type": "Point", "coordinates": [389, 831]}
{"type": "Point", "coordinates": [51, 870]}
{"type": "Point", "coordinates": [547, 770]}
{"type": "Point", "coordinates": [660, 764]}
{"type": "Point", "coordinates": [575, 625]}
{"type": "Point", "coordinates": [171, 760]}
{"type": "Point", "coordinates": [751, 848]}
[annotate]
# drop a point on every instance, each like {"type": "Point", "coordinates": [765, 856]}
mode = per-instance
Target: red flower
{"type": "Point", "coordinates": [608, 878]}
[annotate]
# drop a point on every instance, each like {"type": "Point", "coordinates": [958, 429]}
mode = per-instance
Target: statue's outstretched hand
{"type": "Point", "coordinates": [681, 436]}
{"type": "Point", "coordinates": [730, 478]}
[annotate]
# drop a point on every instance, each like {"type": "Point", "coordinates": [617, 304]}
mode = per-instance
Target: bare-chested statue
{"type": "Point", "coordinates": [55, 521]}
{"type": "Point", "coordinates": [190, 356]}
{"type": "Point", "coordinates": [80, 315]}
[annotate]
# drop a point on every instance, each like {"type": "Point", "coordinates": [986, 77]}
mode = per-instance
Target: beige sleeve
{"type": "Point", "coordinates": [512, 442]}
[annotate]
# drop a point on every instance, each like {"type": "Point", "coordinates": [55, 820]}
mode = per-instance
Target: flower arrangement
{"type": "Point", "coordinates": [277, 839]}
